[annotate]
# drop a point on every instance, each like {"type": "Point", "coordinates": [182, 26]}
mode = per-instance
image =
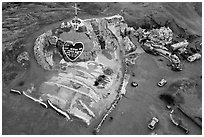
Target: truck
{"type": "Point", "coordinates": [194, 57]}
{"type": "Point", "coordinates": [179, 45]}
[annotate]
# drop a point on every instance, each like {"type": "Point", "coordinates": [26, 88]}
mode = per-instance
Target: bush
{"type": "Point", "coordinates": [167, 98]}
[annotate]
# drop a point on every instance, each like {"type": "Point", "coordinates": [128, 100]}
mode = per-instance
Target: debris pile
{"type": "Point", "coordinates": [160, 42]}
{"type": "Point", "coordinates": [162, 36]}
{"type": "Point", "coordinates": [155, 39]}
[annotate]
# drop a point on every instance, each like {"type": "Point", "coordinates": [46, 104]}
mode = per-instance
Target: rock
{"type": "Point", "coordinates": [44, 50]}
{"type": "Point", "coordinates": [131, 58]}
{"type": "Point", "coordinates": [23, 56]}
{"type": "Point", "coordinates": [23, 59]}
{"type": "Point", "coordinates": [38, 52]}
{"type": "Point", "coordinates": [108, 71]}
{"type": "Point", "coordinates": [129, 46]}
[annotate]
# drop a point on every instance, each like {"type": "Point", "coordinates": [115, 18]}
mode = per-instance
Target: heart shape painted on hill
{"type": "Point", "coordinates": [73, 50]}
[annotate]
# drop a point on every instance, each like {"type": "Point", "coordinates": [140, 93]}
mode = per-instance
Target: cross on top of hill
{"type": "Point", "coordinates": [76, 8]}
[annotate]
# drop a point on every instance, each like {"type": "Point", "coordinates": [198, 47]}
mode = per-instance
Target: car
{"type": "Point", "coordinates": [162, 82]}
{"type": "Point", "coordinates": [153, 123]}
{"type": "Point", "coordinates": [134, 84]}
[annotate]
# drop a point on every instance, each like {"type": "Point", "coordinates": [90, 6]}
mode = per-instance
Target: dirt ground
{"type": "Point", "coordinates": [20, 115]}
{"type": "Point", "coordinates": [142, 103]}
{"type": "Point", "coordinates": [132, 113]}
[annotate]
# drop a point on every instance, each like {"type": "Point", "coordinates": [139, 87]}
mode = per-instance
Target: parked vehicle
{"type": "Point", "coordinates": [153, 123]}
{"type": "Point", "coordinates": [134, 84]}
{"type": "Point", "coordinates": [194, 57]}
{"type": "Point", "coordinates": [162, 82]}
{"type": "Point", "coordinates": [179, 45]}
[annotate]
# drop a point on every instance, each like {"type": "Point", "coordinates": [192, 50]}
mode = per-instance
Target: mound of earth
{"type": "Point", "coordinates": [81, 85]}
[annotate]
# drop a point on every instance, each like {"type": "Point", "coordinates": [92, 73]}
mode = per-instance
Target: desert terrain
{"type": "Point", "coordinates": [22, 23]}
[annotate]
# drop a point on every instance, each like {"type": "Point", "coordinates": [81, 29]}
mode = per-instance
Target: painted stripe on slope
{"type": "Point", "coordinates": [58, 110]}
{"type": "Point", "coordinates": [15, 91]}
{"type": "Point", "coordinates": [36, 100]}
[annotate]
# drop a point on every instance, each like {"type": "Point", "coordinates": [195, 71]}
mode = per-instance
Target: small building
{"type": "Point", "coordinates": [76, 23]}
